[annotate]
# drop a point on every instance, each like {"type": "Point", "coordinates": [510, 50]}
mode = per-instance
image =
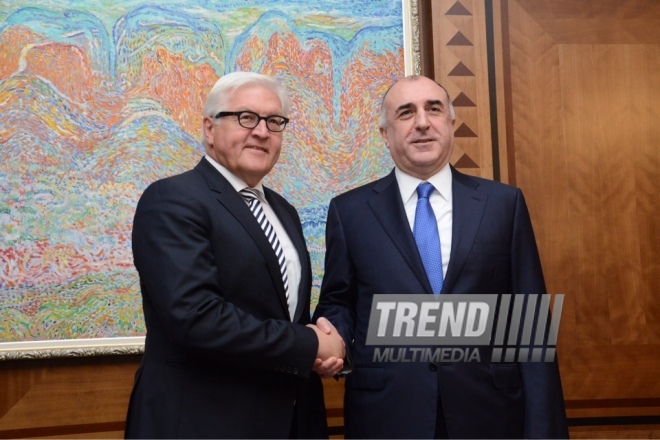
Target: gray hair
{"type": "Point", "coordinates": [383, 112]}
{"type": "Point", "coordinates": [228, 84]}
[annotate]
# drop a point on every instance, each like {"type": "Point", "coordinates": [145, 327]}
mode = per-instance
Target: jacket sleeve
{"type": "Point", "coordinates": [337, 301]}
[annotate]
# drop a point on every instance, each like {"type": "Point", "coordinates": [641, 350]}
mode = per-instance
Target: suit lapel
{"type": "Point", "coordinates": [234, 203]}
{"type": "Point", "coordinates": [467, 212]}
{"type": "Point", "coordinates": [388, 208]}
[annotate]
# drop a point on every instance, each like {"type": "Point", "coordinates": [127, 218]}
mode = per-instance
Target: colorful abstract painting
{"type": "Point", "coordinates": [99, 98]}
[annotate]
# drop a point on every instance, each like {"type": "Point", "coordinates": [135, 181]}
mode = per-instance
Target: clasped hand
{"type": "Point", "coordinates": [332, 350]}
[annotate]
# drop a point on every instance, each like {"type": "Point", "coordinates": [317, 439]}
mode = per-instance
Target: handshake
{"type": "Point", "coordinates": [332, 350]}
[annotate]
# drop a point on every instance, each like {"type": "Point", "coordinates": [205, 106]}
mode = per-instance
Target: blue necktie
{"type": "Point", "coordinates": [427, 238]}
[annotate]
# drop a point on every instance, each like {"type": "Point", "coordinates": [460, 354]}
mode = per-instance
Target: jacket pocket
{"type": "Point", "coordinates": [506, 375]}
{"type": "Point", "coordinates": [366, 378]}
{"type": "Point", "coordinates": [491, 247]}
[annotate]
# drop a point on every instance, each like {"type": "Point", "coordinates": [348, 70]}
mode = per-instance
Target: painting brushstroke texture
{"type": "Point", "coordinates": [100, 98]}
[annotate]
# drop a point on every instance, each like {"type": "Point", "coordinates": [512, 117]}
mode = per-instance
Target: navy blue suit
{"type": "Point", "coordinates": [222, 359]}
{"type": "Point", "coordinates": [371, 250]}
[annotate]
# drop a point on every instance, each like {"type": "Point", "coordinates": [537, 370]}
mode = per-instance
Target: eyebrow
{"type": "Point", "coordinates": [409, 105]}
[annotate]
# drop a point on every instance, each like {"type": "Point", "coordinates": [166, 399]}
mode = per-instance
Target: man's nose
{"type": "Point", "coordinates": [261, 129]}
{"type": "Point", "coordinates": [421, 120]}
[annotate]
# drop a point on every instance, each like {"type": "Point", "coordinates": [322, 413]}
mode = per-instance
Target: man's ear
{"type": "Point", "coordinates": [208, 130]}
{"type": "Point", "coordinates": [383, 135]}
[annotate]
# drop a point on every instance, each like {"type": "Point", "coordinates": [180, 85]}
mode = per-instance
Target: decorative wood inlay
{"type": "Point", "coordinates": [458, 9]}
{"type": "Point", "coordinates": [461, 70]}
{"type": "Point", "coordinates": [463, 131]}
{"type": "Point", "coordinates": [459, 40]}
{"type": "Point", "coordinates": [463, 101]}
{"type": "Point", "coordinates": [466, 162]}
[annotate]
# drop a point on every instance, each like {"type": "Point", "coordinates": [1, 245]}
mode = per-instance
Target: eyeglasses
{"type": "Point", "coordinates": [247, 119]}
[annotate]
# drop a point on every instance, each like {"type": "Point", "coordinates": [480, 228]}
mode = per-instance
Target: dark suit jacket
{"type": "Point", "coordinates": [222, 358]}
{"type": "Point", "coordinates": [371, 250]}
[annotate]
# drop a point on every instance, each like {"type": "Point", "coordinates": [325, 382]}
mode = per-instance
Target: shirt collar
{"type": "Point", "coordinates": [236, 182]}
{"type": "Point", "coordinates": [408, 184]}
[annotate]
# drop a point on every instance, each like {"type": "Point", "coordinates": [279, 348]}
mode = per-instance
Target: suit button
{"type": "Point", "coordinates": [433, 367]}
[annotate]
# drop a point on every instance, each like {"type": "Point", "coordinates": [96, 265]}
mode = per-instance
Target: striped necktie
{"type": "Point", "coordinates": [250, 197]}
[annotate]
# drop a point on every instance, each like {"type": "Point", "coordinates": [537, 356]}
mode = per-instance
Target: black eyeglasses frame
{"type": "Point", "coordinates": [238, 114]}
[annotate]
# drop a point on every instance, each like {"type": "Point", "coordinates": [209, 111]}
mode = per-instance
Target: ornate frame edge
{"type": "Point", "coordinates": [71, 348]}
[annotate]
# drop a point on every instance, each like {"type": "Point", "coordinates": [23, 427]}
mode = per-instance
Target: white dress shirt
{"type": "Point", "coordinates": [441, 202]}
{"type": "Point", "coordinates": [293, 266]}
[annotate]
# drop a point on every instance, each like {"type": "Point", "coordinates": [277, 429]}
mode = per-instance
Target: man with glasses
{"type": "Point", "coordinates": [225, 278]}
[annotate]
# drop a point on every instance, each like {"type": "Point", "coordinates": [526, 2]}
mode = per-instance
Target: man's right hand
{"type": "Point", "coordinates": [331, 351]}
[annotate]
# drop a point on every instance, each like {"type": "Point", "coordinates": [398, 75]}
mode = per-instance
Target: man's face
{"type": "Point", "coordinates": [419, 132]}
{"type": "Point", "coordinates": [249, 154]}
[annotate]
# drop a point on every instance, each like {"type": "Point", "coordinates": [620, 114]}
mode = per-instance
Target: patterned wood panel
{"type": "Point", "coordinates": [460, 65]}
{"type": "Point", "coordinates": [579, 96]}
{"type": "Point", "coordinates": [72, 397]}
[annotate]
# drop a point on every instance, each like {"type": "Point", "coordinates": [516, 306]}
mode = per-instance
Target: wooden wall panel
{"type": "Point", "coordinates": [580, 92]}
{"type": "Point", "coordinates": [85, 397]}
{"type": "Point", "coordinates": [603, 133]}
{"type": "Point", "coordinates": [461, 66]}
